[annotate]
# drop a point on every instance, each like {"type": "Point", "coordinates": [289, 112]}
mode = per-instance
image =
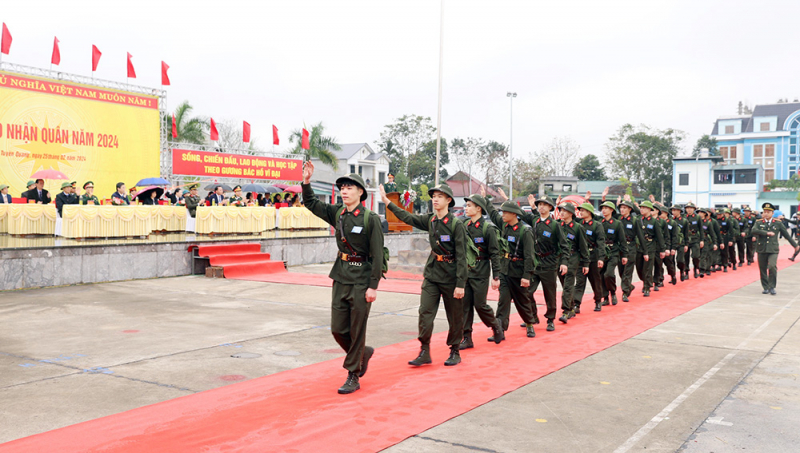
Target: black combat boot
{"type": "Point", "coordinates": [368, 351]}
{"type": "Point", "coordinates": [350, 385]}
{"type": "Point", "coordinates": [550, 326]}
{"type": "Point", "coordinates": [598, 306]}
{"type": "Point", "coordinates": [466, 343]}
{"type": "Point", "coordinates": [530, 332]}
{"type": "Point", "coordinates": [497, 329]}
{"type": "Point", "coordinates": [614, 299]}
{"type": "Point", "coordinates": [424, 358]}
{"type": "Point", "coordinates": [454, 359]}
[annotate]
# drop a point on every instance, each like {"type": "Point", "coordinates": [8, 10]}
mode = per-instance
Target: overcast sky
{"type": "Point", "coordinates": [580, 68]}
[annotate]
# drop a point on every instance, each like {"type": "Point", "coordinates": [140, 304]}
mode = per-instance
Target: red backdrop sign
{"type": "Point", "coordinates": [202, 163]}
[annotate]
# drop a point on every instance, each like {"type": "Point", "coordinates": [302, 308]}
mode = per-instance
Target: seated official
{"type": "Point", "coordinates": [31, 184]}
{"type": "Point", "coordinates": [4, 196]}
{"type": "Point", "coordinates": [88, 197]}
{"type": "Point", "coordinates": [38, 193]}
{"type": "Point", "coordinates": [217, 197]}
{"type": "Point", "coordinates": [192, 200]}
{"type": "Point", "coordinates": [121, 197]}
{"type": "Point", "coordinates": [65, 197]}
{"type": "Point", "coordinates": [149, 198]}
{"type": "Point", "coordinates": [236, 199]}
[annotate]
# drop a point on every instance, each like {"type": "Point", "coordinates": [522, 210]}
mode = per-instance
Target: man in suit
{"type": "Point", "coordinates": [31, 184]}
{"type": "Point", "coordinates": [217, 197]}
{"type": "Point", "coordinates": [38, 193]}
{"type": "Point", "coordinates": [4, 196]}
{"type": "Point", "coordinates": [65, 197]}
{"type": "Point", "coordinates": [120, 197]}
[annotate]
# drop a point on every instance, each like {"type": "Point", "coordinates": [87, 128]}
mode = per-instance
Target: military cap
{"type": "Point", "coordinates": [703, 210]}
{"type": "Point", "coordinates": [747, 209]}
{"type": "Point", "coordinates": [608, 204]}
{"type": "Point", "coordinates": [478, 200]}
{"type": "Point", "coordinates": [569, 207]}
{"type": "Point", "coordinates": [662, 208]}
{"type": "Point", "coordinates": [73, 183]}
{"type": "Point", "coordinates": [390, 175]}
{"type": "Point", "coordinates": [627, 203]}
{"type": "Point", "coordinates": [445, 189]}
{"type": "Point", "coordinates": [587, 207]}
{"type": "Point", "coordinates": [30, 183]}
{"type": "Point", "coordinates": [3, 186]}
{"type": "Point", "coordinates": [237, 188]}
{"type": "Point", "coordinates": [726, 211]}
{"type": "Point", "coordinates": [546, 199]}
{"type": "Point", "coordinates": [675, 208]}
{"type": "Point", "coordinates": [768, 206]}
{"type": "Point", "coordinates": [353, 178]}
{"type": "Point", "coordinates": [736, 211]}
{"type": "Point", "coordinates": [691, 205]}
{"type": "Point", "coordinates": [510, 206]}
{"type": "Point", "coordinates": [66, 184]}
{"type": "Point", "coordinates": [87, 183]}
{"type": "Point", "coordinates": [193, 186]}
{"type": "Point", "coordinates": [647, 204]}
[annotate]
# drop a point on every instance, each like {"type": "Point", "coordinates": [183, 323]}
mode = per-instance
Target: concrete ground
{"type": "Point", "coordinates": [720, 378]}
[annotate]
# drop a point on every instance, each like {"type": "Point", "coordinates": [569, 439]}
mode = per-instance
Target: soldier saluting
{"type": "Point", "coordinates": [356, 271]}
{"type": "Point", "coordinates": [445, 274]}
{"type": "Point", "coordinates": [767, 231]}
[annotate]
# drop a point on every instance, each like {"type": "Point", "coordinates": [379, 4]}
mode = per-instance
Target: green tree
{"type": "Point", "coordinates": [791, 184]}
{"type": "Point", "coordinates": [527, 174]}
{"type": "Point", "coordinates": [320, 146]}
{"type": "Point", "coordinates": [190, 129]}
{"type": "Point", "coordinates": [422, 164]}
{"type": "Point", "coordinates": [644, 156]}
{"type": "Point", "coordinates": [708, 142]}
{"type": "Point", "coordinates": [589, 169]}
{"type": "Point", "coordinates": [404, 138]}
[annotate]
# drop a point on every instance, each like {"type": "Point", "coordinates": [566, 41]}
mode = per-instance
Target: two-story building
{"type": "Point", "coordinates": [354, 158]}
{"type": "Point", "coordinates": [714, 182]}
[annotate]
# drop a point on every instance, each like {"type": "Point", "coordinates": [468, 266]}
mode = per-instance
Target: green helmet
{"type": "Point", "coordinates": [478, 200]}
{"type": "Point", "coordinates": [445, 189]}
{"type": "Point", "coordinates": [647, 204]}
{"type": "Point", "coordinates": [569, 207]}
{"type": "Point", "coordinates": [587, 207]}
{"type": "Point", "coordinates": [353, 178]}
{"type": "Point", "coordinates": [510, 206]}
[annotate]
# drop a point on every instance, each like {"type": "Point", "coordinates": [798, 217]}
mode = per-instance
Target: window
{"type": "Point", "coordinates": [793, 159]}
{"type": "Point", "coordinates": [361, 170]}
{"type": "Point", "coordinates": [566, 188]}
{"type": "Point", "coordinates": [381, 177]}
{"type": "Point", "coordinates": [683, 179]}
{"type": "Point", "coordinates": [769, 175]}
{"type": "Point", "coordinates": [548, 187]}
{"type": "Point", "coordinates": [769, 150]}
{"type": "Point", "coordinates": [764, 155]}
{"type": "Point", "coordinates": [728, 153]}
{"type": "Point", "coordinates": [723, 177]}
{"type": "Point", "coordinates": [792, 170]}
{"type": "Point", "coordinates": [764, 127]}
{"type": "Point", "coordinates": [729, 129]}
{"type": "Point", "coordinates": [746, 176]}
{"type": "Point", "coordinates": [352, 169]}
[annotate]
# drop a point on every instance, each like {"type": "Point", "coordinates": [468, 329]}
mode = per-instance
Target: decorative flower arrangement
{"type": "Point", "coordinates": [408, 197]}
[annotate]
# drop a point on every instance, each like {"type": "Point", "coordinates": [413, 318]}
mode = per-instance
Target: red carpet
{"type": "Point", "coordinates": [299, 410]}
{"type": "Point", "coordinates": [243, 261]}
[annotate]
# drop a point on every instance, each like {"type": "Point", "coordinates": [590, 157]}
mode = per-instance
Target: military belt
{"type": "Point", "coordinates": [545, 254]}
{"type": "Point", "coordinates": [444, 258]}
{"type": "Point", "coordinates": [353, 258]}
{"type": "Point", "coordinates": [512, 257]}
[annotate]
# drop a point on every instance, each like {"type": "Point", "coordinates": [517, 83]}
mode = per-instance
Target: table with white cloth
{"type": "Point", "coordinates": [105, 221]}
{"type": "Point", "coordinates": [169, 218]}
{"type": "Point", "coordinates": [299, 218]}
{"type": "Point", "coordinates": [4, 208]}
{"type": "Point", "coordinates": [231, 219]}
{"type": "Point", "coordinates": [32, 219]}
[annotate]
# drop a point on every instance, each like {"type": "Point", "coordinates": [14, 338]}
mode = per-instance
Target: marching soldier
{"type": "Point", "coordinates": [717, 252]}
{"type": "Point", "coordinates": [484, 235]}
{"type": "Point", "coordinates": [710, 243]}
{"type": "Point", "coordinates": [634, 236]}
{"type": "Point", "coordinates": [658, 266]}
{"type": "Point", "coordinates": [741, 247]}
{"type": "Point", "coordinates": [750, 219]}
{"type": "Point", "coordinates": [617, 247]}
{"type": "Point", "coordinates": [695, 240]}
{"type": "Point", "coordinates": [445, 274]}
{"type": "Point", "coordinates": [683, 247]}
{"type": "Point", "coordinates": [652, 246]}
{"type": "Point", "coordinates": [598, 254]}
{"type": "Point", "coordinates": [518, 265]}
{"type": "Point", "coordinates": [729, 228]}
{"type": "Point", "coordinates": [356, 271]}
{"type": "Point", "coordinates": [767, 232]}
{"type": "Point", "coordinates": [576, 259]}
{"type": "Point", "coordinates": [672, 241]}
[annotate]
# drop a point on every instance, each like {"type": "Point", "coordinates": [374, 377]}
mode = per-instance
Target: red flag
{"type": "Point", "coordinates": [164, 76]}
{"type": "Point", "coordinates": [174, 127]}
{"type": "Point", "coordinates": [246, 132]}
{"type": "Point", "coordinates": [214, 133]}
{"type": "Point", "coordinates": [96, 54]}
{"type": "Point", "coordinates": [131, 72]}
{"type": "Point", "coordinates": [305, 144]}
{"type": "Point", "coordinates": [5, 46]}
{"type": "Point", "coordinates": [56, 58]}
{"type": "Point", "coordinates": [275, 139]}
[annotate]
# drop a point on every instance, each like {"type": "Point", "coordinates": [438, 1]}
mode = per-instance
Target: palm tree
{"type": "Point", "coordinates": [319, 146]}
{"type": "Point", "coordinates": [190, 129]}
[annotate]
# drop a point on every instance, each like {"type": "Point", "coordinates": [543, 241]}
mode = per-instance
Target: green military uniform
{"type": "Point", "coordinates": [85, 199]}
{"type": "Point", "coordinates": [193, 201]}
{"type": "Point", "coordinates": [237, 200]}
{"type": "Point", "coordinates": [680, 252]}
{"type": "Point", "coordinates": [518, 263]}
{"type": "Point", "coordinates": [595, 235]}
{"type": "Point", "coordinates": [65, 198]}
{"type": "Point", "coordinates": [768, 248]}
{"type": "Point", "coordinates": [658, 266]}
{"type": "Point", "coordinates": [358, 266]}
{"type": "Point", "coordinates": [445, 271]}
{"type": "Point", "coordinates": [715, 254]}
{"type": "Point", "coordinates": [729, 230]}
{"type": "Point", "coordinates": [576, 258]}
{"type": "Point", "coordinates": [744, 231]}
{"type": "Point", "coordinates": [390, 187]}
{"type": "Point", "coordinates": [695, 235]}
{"type": "Point", "coordinates": [673, 231]}
{"type": "Point", "coordinates": [652, 245]}
{"type": "Point", "coordinates": [632, 226]}
{"type": "Point", "coordinates": [484, 235]}
{"type": "Point", "coordinates": [617, 247]}
{"type": "Point", "coordinates": [711, 241]}
{"type": "Point", "coordinates": [750, 219]}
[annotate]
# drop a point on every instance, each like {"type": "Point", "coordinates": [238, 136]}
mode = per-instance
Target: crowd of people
{"type": "Point", "coordinates": [515, 252]}
{"type": "Point", "coordinates": [186, 195]}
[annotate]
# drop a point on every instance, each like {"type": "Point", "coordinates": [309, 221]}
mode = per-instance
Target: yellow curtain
{"type": "Point", "coordinates": [4, 208]}
{"type": "Point", "coordinates": [32, 219]}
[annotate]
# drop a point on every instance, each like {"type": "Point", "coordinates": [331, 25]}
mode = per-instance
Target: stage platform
{"type": "Point", "coordinates": [38, 262]}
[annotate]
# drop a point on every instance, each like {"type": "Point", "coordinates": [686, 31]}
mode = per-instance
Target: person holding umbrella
{"type": "Point", "coordinates": [149, 195]}
{"type": "Point", "coordinates": [88, 198]}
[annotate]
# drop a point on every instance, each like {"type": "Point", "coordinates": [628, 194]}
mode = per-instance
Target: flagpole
{"type": "Point", "coordinates": [439, 115]}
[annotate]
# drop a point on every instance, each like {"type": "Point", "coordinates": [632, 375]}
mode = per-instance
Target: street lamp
{"type": "Point", "coordinates": [511, 97]}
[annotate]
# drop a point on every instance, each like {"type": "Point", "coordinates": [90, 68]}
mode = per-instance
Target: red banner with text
{"type": "Point", "coordinates": [222, 165]}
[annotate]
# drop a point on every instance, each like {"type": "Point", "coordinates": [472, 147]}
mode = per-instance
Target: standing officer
{"type": "Point", "coordinates": [652, 246]}
{"type": "Point", "coordinates": [695, 240]}
{"type": "Point", "coordinates": [576, 259]}
{"type": "Point", "coordinates": [518, 265]}
{"type": "Point", "coordinates": [683, 247]}
{"type": "Point", "coordinates": [598, 254]}
{"type": "Point", "coordinates": [632, 226]}
{"type": "Point", "coordinates": [192, 200]}
{"type": "Point", "coordinates": [617, 246]}
{"type": "Point", "coordinates": [741, 247]}
{"type": "Point", "coordinates": [768, 231]}
{"type": "Point", "coordinates": [390, 186]}
{"type": "Point", "coordinates": [484, 235]}
{"type": "Point", "coordinates": [356, 271]}
{"type": "Point", "coordinates": [750, 219]}
{"type": "Point", "coordinates": [445, 274]}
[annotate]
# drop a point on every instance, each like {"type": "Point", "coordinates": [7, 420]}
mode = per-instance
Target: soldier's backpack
{"type": "Point", "coordinates": [385, 265]}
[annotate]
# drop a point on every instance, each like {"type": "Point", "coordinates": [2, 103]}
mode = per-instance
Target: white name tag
{"type": "Point", "coordinates": [357, 229]}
